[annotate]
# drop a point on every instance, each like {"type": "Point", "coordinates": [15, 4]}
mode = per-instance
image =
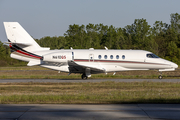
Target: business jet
{"type": "Point", "coordinates": [82, 61]}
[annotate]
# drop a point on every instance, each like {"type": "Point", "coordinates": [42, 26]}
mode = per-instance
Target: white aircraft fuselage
{"type": "Point", "coordinates": [84, 61]}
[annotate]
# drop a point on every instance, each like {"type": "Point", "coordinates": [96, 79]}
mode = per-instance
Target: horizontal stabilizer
{"type": "Point", "coordinates": [24, 44]}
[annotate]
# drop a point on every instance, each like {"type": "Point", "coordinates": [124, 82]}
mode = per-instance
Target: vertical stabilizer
{"type": "Point", "coordinates": [23, 46]}
{"type": "Point", "coordinates": [16, 34]}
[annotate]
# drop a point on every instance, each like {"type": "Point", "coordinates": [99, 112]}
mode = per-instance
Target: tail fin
{"type": "Point", "coordinates": [16, 34]}
{"type": "Point", "coordinates": [23, 46]}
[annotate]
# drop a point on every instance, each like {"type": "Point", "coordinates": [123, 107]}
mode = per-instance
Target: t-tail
{"type": "Point", "coordinates": [22, 45]}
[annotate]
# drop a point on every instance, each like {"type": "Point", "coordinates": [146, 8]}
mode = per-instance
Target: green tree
{"type": "Point", "coordinates": [172, 52]}
{"type": "Point", "coordinates": [139, 31]}
{"type": "Point", "coordinates": [93, 40]}
{"type": "Point", "coordinates": [2, 51]}
{"type": "Point", "coordinates": [75, 36]}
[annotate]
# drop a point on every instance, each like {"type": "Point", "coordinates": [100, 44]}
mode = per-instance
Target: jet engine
{"type": "Point", "coordinates": [61, 57]}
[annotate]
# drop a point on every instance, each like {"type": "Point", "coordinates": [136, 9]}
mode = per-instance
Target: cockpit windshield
{"type": "Point", "coordinates": [151, 56]}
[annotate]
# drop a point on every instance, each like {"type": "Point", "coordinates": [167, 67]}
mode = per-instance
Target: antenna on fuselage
{"type": "Point", "coordinates": [105, 47]}
{"type": "Point", "coordinates": [71, 48]}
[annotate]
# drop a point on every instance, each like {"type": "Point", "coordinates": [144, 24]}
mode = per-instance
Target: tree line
{"type": "Point", "coordinates": [5, 59]}
{"type": "Point", "coordinates": [162, 39]}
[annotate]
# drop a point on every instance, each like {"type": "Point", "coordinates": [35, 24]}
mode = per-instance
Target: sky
{"type": "Point", "coordinates": [42, 18]}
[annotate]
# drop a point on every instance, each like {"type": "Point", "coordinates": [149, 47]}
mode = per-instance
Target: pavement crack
{"type": "Point", "coordinates": [22, 114]}
{"type": "Point", "coordinates": [144, 111]}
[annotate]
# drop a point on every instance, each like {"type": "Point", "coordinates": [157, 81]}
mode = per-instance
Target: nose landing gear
{"type": "Point", "coordinates": [160, 76]}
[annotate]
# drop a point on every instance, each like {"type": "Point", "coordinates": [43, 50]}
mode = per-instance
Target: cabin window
{"type": "Point", "coordinates": [111, 56]}
{"type": "Point", "coordinates": [99, 56]}
{"type": "Point", "coordinates": [151, 56]}
{"type": "Point", "coordinates": [123, 56]}
{"type": "Point", "coordinates": [105, 56]}
{"type": "Point", "coordinates": [117, 56]}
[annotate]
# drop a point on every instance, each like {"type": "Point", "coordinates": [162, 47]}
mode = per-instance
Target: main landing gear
{"type": "Point", "coordinates": [83, 76]}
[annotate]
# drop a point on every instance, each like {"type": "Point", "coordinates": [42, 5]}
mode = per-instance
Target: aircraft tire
{"type": "Point", "coordinates": [160, 77]}
{"type": "Point", "coordinates": [84, 76]}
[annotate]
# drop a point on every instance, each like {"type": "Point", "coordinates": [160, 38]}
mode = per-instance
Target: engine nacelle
{"type": "Point", "coordinates": [59, 57]}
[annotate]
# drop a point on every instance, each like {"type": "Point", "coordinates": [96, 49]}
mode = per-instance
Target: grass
{"type": "Point", "coordinates": [87, 93]}
{"type": "Point", "coordinates": [23, 68]}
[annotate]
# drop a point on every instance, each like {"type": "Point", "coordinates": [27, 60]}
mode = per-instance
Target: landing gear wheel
{"type": "Point", "coordinates": [160, 77]}
{"type": "Point", "coordinates": [83, 76]}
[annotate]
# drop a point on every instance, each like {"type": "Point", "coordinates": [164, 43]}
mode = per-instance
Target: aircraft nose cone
{"type": "Point", "coordinates": [174, 65]}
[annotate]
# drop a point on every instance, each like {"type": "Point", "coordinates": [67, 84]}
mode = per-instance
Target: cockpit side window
{"type": "Point", "coordinates": [151, 56]}
{"type": "Point", "coordinates": [155, 56]}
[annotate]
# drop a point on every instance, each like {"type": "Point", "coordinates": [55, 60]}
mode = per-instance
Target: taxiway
{"type": "Point", "coordinates": [88, 80]}
{"type": "Point", "coordinates": [89, 111]}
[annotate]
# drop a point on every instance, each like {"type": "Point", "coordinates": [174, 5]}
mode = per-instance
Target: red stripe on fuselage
{"type": "Point", "coordinates": [19, 51]}
{"type": "Point", "coordinates": [85, 60]}
{"type": "Point", "coordinates": [23, 52]}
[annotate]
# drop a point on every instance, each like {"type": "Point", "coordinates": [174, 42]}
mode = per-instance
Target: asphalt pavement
{"type": "Point", "coordinates": [89, 111]}
{"type": "Point", "coordinates": [87, 80]}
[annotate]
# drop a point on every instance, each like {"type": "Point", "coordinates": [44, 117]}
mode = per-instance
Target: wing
{"type": "Point", "coordinates": [76, 68]}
